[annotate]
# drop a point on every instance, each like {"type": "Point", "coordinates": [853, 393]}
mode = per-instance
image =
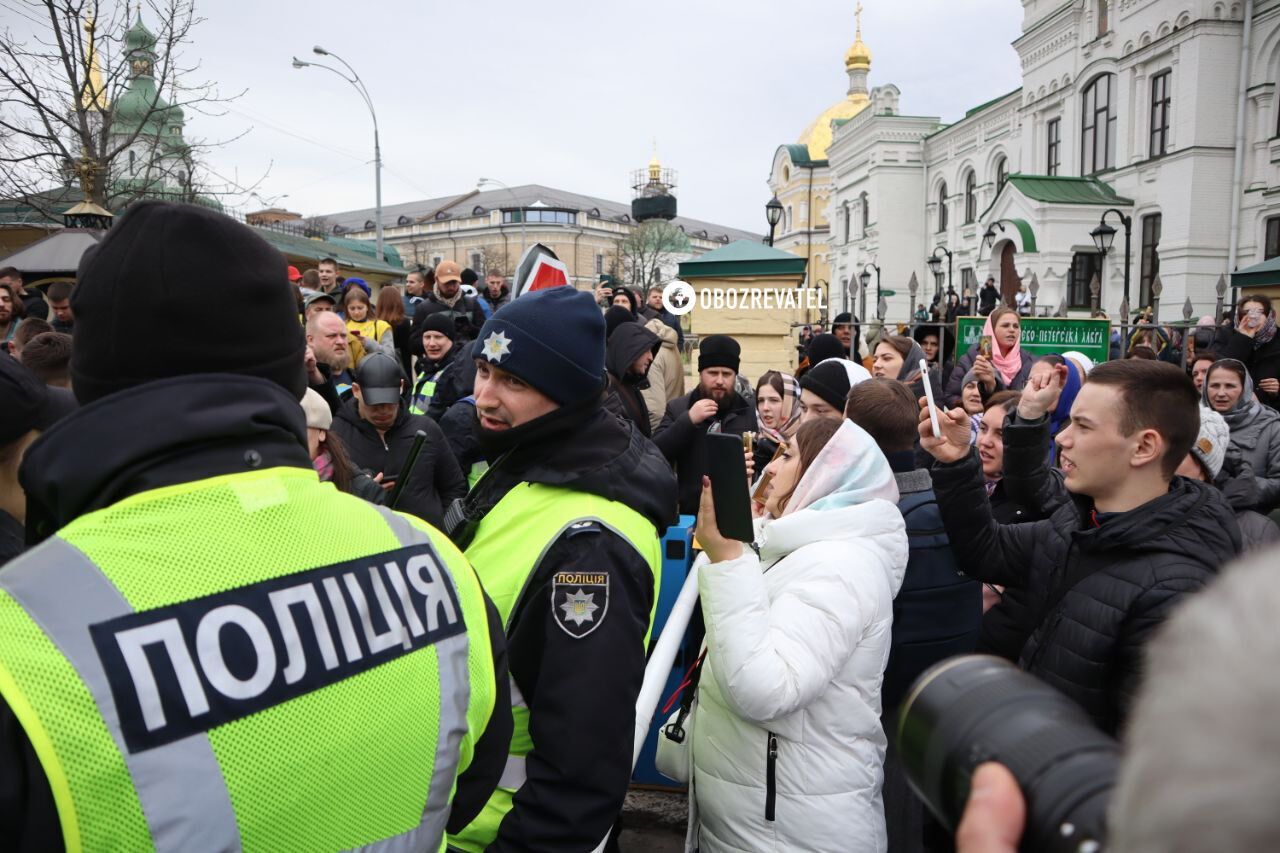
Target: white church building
{"type": "Point", "coordinates": [1164, 111]}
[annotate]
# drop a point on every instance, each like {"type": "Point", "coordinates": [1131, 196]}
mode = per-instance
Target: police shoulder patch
{"type": "Point", "coordinates": [579, 601]}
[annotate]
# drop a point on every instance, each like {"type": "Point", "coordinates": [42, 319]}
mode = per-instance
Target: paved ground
{"type": "Point", "coordinates": [653, 822]}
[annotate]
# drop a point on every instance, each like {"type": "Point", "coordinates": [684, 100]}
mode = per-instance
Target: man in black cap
{"type": "Point", "coordinates": [27, 408]}
{"type": "Point", "coordinates": [378, 432]}
{"type": "Point", "coordinates": [714, 406]}
{"type": "Point", "coordinates": [205, 624]}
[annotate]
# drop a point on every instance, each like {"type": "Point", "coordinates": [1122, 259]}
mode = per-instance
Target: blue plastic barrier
{"type": "Point", "coordinates": [677, 557]}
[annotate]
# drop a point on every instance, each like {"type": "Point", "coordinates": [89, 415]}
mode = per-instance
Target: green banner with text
{"type": "Point", "coordinates": [1045, 335]}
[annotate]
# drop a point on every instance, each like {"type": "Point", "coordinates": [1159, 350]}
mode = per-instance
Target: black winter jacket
{"type": "Point", "coordinates": [1006, 626]}
{"type": "Point", "coordinates": [435, 480]}
{"type": "Point", "coordinates": [165, 433]}
{"type": "Point", "coordinates": [681, 441]}
{"type": "Point", "coordinates": [468, 318]}
{"type": "Point", "coordinates": [627, 343]}
{"type": "Point", "coordinates": [1262, 362]}
{"type": "Point", "coordinates": [581, 691]}
{"type": "Point", "coordinates": [1099, 591]}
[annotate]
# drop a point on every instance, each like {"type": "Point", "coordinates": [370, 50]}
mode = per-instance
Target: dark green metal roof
{"type": "Point", "coordinates": [352, 253]}
{"type": "Point", "coordinates": [743, 258]}
{"type": "Point", "coordinates": [1063, 190]}
{"type": "Point", "coordinates": [799, 155]}
{"type": "Point", "coordinates": [980, 107]}
{"type": "Point", "coordinates": [1264, 274]}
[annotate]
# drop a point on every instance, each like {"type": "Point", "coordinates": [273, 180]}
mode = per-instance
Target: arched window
{"type": "Point", "coordinates": [133, 161]}
{"type": "Point", "coordinates": [1098, 134]}
{"type": "Point", "coordinates": [864, 210]}
{"type": "Point", "coordinates": [942, 207]}
{"type": "Point", "coordinates": [970, 198]}
{"type": "Point", "coordinates": [844, 208]}
{"type": "Point", "coordinates": [1002, 173]}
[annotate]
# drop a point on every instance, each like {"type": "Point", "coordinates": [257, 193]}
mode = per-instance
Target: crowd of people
{"type": "Point", "coordinates": [464, 492]}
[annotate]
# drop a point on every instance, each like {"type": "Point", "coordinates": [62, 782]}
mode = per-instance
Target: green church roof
{"type": "Point", "coordinates": [743, 258]}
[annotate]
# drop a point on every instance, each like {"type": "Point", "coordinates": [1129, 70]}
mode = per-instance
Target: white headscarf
{"type": "Point", "coordinates": [849, 470]}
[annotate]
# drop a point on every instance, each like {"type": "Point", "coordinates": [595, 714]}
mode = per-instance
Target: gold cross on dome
{"type": "Point", "coordinates": [857, 14]}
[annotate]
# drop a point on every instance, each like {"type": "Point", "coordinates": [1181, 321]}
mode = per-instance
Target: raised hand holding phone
{"type": "Point", "coordinates": [928, 393]}
{"type": "Point", "coordinates": [953, 445]}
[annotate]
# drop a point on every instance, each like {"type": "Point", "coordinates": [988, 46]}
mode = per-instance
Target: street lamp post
{"type": "Point", "coordinates": [356, 82]}
{"type": "Point", "coordinates": [773, 214]}
{"type": "Point", "coordinates": [865, 278]}
{"type": "Point", "coordinates": [519, 209]}
{"type": "Point", "coordinates": [1103, 236]}
{"type": "Point", "coordinates": [935, 265]}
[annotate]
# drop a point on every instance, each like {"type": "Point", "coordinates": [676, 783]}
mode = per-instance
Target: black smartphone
{"type": "Point", "coordinates": [727, 468]}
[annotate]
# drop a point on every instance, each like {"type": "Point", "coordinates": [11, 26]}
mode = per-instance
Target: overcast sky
{"type": "Point", "coordinates": [569, 93]}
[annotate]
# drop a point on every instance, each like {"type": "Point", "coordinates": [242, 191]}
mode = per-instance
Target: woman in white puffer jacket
{"type": "Point", "coordinates": [787, 747]}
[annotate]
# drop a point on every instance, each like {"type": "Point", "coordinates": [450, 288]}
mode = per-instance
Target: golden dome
{"type": "Point", "coordinates": [818, 135]}
{"type": "Point", "coordinates": [858, 55]}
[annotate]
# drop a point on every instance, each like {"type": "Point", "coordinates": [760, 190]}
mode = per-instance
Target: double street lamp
{"type": "Point", "coordinates": [355, 81]}
{"type": "Point", "coordinates": [773, 214]}
{"type": "Point", "coordinates": [1103, 237]}
{"type": "Point", "coordinates": [935, 266]}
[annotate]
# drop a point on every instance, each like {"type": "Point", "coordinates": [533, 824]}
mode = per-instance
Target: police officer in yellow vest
{"type": "Point", "coordinates": [211, 650]}
{"type": "Point", "coordinates": [563, 530]}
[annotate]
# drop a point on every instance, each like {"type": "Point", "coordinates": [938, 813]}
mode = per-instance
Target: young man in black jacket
{"type": "Point", "coordinates": [1108, 566]}
{"type": "Point", "coordinates": [378, 433]}
{"type": "Point", "coordinates": [447, 297]}
{"type": "Point", "coordinates": [713, 406]}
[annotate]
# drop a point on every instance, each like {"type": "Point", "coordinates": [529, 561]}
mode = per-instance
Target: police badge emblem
{"type": "Point", "coordinates": [579, 601]}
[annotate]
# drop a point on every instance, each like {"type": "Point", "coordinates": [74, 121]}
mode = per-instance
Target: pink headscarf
{"type": "Point", "coordinates": [1008, 363]}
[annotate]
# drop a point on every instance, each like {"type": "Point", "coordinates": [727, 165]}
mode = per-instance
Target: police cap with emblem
{"type": "Point", "coordinates": [553, 339]}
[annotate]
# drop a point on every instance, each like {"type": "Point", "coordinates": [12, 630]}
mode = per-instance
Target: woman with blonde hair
{"type": "Point", "coordinates": [366, 334]}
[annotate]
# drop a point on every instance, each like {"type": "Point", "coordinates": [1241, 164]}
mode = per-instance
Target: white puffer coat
{"type": "Point", "coordinates": [797, 641]}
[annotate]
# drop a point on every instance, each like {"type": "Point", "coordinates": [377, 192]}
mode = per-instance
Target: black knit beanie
{"type": "Point", "coordinates": [442, 322]}
{"type": "Point", "coordinates": [718, 351]}
{"type": "Point", "coordinates": [830, 381]}
{"type": "Point", "coordinates": [175, 289]}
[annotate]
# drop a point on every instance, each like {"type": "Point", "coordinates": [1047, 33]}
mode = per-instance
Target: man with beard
{"type": "Point", "coordinates": [713, 406]}
{"type": "Point", "coordinates": [563, 530]}
{"type": "Point", "coordinates": [447, 297]}
{"type": "Point", "coordinates": [327, 358]}
{"type": "Point", "coordinates": [32, 301]}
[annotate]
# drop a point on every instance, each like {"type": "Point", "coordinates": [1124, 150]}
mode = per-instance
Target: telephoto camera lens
{"type": "Point", "coordinates": [975, 708]}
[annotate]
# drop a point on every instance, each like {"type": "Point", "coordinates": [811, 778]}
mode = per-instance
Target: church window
{"type": "Point", "coordinates": [864, 205]}
{"type": "Point", "coordinates": [1272, 248]}
{"type": "Point", "coordinates": [1161, 99]}
{"type": "Point", "coordinates": [1098, 129]}
{"type": "Point", "coordinates": [844, 209]}
{"type": "Point", "coordinates": [1002, 174]}
{"type": "Point", "coordinates": [970, 198]}
{"type": "Point", "coordinates": [942, 207]}
{"type": "Point", "coordinates": [1102, 17]}
{"type": "Point", "coordinates": [1054, 134]}
{"type": "Point", "coordinates": [1150, 256]}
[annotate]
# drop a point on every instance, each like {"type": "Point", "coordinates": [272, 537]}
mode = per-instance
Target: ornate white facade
{"type": "Point", "coordinates": [1126, 104]}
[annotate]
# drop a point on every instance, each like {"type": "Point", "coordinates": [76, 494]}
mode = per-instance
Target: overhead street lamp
{"type": "Point", "coordinates": [1103, 237]}
{"type": "Point", "coordinates": [483, 182]}
{"type": "Point", "coordinates": [935, 266]}
{"type": "Point", "coordinates": [355, 81]}
{"type": "Point", "coordinates": [773, 213]}
{"type": "Point", "coordinates": [865, 278]}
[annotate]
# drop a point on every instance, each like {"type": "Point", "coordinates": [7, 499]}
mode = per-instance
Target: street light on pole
{"type": "Point", "coordinates": [1103, 237]}
{"type": "Point", "coordinates": [865, 278]}
{"type": "Point", "coordinates": [359, 86]}
{"type": "Point", "coordinates": [773, 214]}
{"type": "Point", "coordinates": [480, 183]}
{"type": "Point", "coordinates": [935, 266]}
